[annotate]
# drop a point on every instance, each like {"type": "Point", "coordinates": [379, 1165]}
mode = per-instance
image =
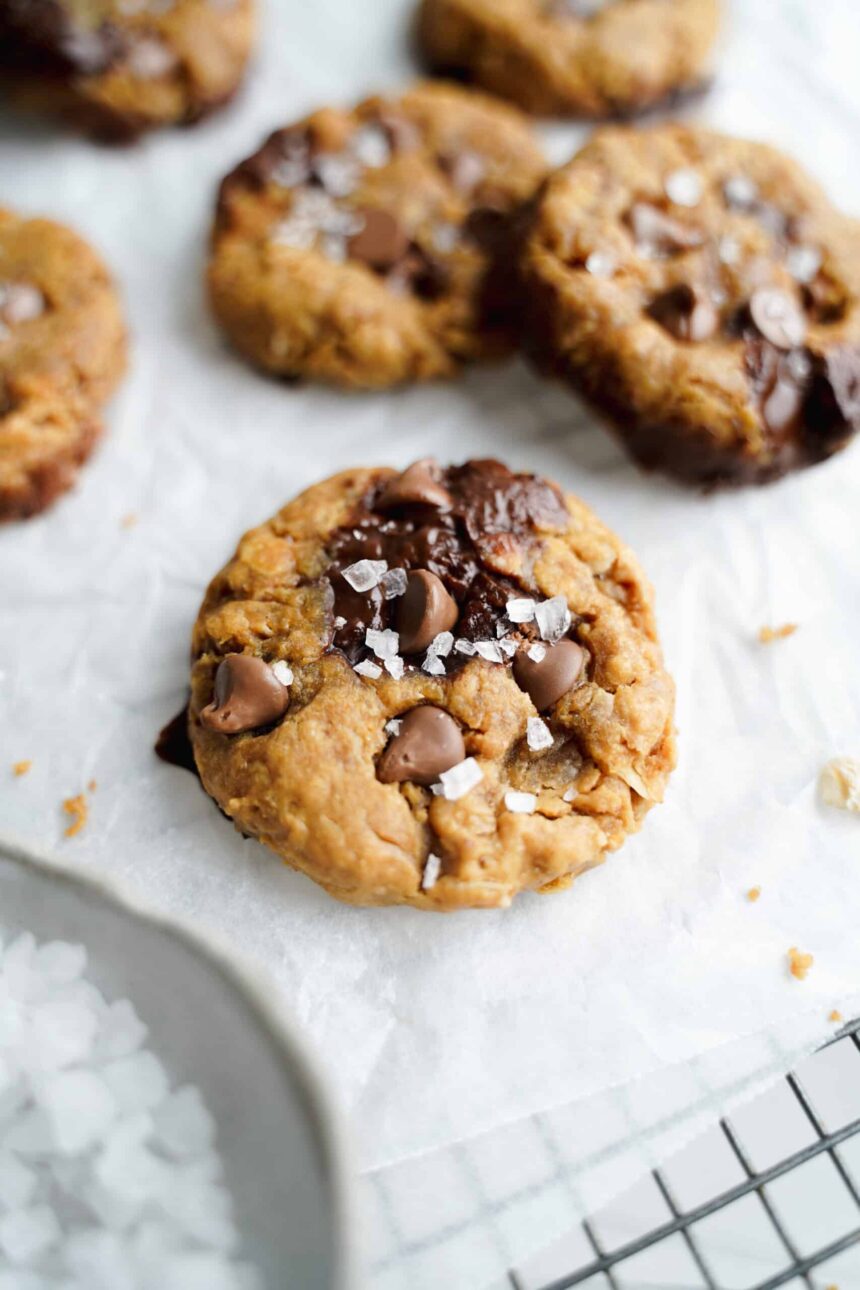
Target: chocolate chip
{"type": "Point", "coordinates": [416, 486]}
{"type": "Point", "coordinates": [547, 679]}
{"type": "Point", "coordinates": [834, 404]}
{"type": "Point", "coordinates": [423, 611]}
{"type": "Point", "coordinates": [420, 273]}
{"type": "Point", "coordinates": [688, 313]}
{"type": "Point", "coordinates": [429, 742]}
{"type": "Point", "coordinates": [784, 404]}
{"type": "Point", "coordinates": [657, 233]}
{"type": "Point", "coordinates": [382, 241]}
{"type": "Point", "coordinates": [781, 383]}
{"type": "Point", "coordinates": [489, 228]}
{"type": "Point", "coordinates": [428, 277]}
{"type": "Point", "coordinates": [285, 159]}
{"type": "Point", "coordinates": [778, 317]}
{"type": "Point", "coordinates": [470, 525]}
{"type": "Point", "coordinates": [465, 169]}
{"type": "Point", "coordinates": [247, 695]}
{"type": "Point", "coordinates": [842, 368]}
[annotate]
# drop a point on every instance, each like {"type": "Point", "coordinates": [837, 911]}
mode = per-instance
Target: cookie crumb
{"type": "Point", "coordinates": [20, 768]}
{"type": "Point", "coordinates": [92, 786]}
{"type": "Point", "coordinates": [753, 894]}
{"type": "Point", "coordinates": [77, 808]}
{"type": "Point", "coordinates": [839, 784]}
{"type": "Point", "coordinates": [129, 521]}
{"type": "Point", "coordinates": [767, 635]}
{"type": "Point", "coordinates": [799, 963]}
{"type": "Point", "coordinates": [836, 1017]}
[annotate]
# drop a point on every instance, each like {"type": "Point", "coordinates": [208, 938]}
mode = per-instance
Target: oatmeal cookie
{"type": "Point", "coordinates": [119, 67]}
{"type": "Point", "coordinates": [594, 58]}
{"type": "Point", "coordinates": [368, 248]}
{"type": "Point", "coordinates": [435, 688]}
{"type": "Point", "coordinates": [62, 351]}
{"type": "Point", "coordinates": [703, 293]}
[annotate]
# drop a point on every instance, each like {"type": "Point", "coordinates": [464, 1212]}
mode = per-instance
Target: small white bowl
{"type": "Point", "coordinates": [215, 1025]}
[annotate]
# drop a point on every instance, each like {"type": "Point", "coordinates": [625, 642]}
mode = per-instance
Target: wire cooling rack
{"type": "Point", "coordinates": [789, 1219]}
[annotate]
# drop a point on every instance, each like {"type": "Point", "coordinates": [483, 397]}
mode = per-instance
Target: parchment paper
{"type": "Point", "coordinates": [435, 1028]}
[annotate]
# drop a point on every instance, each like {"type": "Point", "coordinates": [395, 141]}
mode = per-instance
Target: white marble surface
{"type": "Point", "coordinates": [436, 1029]}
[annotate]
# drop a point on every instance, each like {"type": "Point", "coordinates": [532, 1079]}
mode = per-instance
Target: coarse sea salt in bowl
{"type": "Point", "coordinates": [161, 1126]}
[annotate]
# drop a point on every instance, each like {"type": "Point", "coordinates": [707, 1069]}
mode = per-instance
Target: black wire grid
{"type": "Point", "coordinates": [799, 1267]}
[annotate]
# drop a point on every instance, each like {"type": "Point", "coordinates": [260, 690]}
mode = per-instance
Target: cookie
{"type": "Point", "coordinates": [702, 293]}
{"type": "Point", "coordinates": [119, 67]}
{"type": "Point", "coordinates": [62, 351]}
{"type": "Point", "coordinates": [367, 248]}
{"type": "Point", "coordinates": [594, 58]}
{"type": "Point", "coordinates": [435, 688]}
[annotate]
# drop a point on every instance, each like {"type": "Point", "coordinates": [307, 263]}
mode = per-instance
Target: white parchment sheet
{"type": "Point", "coordinates": [437, 1028]}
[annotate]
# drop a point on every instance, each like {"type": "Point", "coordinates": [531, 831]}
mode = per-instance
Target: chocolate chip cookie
{"type": "Point", "coordinates": [368, 248]}
{"type": "Point", "coordinates": [703, 293]}
{"type": "Point", "coordinates": [62, 351]}
{"type": "Point", "coordinates": [118, 67]}
{"type": "Point", "coordinates": [595, 58]}
{"type": "Point", "coordinates": [435, 688]}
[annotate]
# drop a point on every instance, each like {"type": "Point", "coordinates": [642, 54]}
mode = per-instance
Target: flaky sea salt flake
{"type": "Point", "coordinates": [553, 618]}
{"type": "Point", "coordinates": [490, 651]}
{"type": "Point", "coordinates": [464, 647]}
{"type": "Point", "coordinates": [684, 187]}
{"type": "Point", "coordinates": [538, 735]}
{"type": "Point", "coordinates": [393, 583]}
{"type": "Point", "coordinates": [282, 672]}
{"type": "Point", "coordinates": [369, 669]}
{"type": "Point", "coordinates": [364, 575]}
{"type": "Point", "coordinates": [432, 869]}
{"type": "Point", "coordinates": [520, 803]}
{"type": "Point", "coordinates": [338, 174]}
{"type": "Point", "coordinates": [27, 1233]}
{"type": "Point", "coordinates": [536, 651]}
{"type": "Point", "coordinates": [803, 263]}
{"type": "Point", "coordinates": [441, 645]}
{"type": "Point", "coordinates": [395, 667]}
{"type": "Point", "coordinates": [729, 250]}
{"type": "Point", "coordinates": [460, 779]}
{"type": "Point", "coordinates": [601, 264]}
{"type": "Point", "coordinates": [369, 145]}
{"type": "Point", "coordinates": [521, 610]}
{"type": "Point", "coordinates": [385, 644]}
{"type": "Point", "coordinates": [740, 192]}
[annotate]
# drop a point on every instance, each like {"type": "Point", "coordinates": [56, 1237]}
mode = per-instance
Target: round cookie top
{"type": "Point", "coordinates": [582, 57]}
{"type": "Point", "coordinates": [123, 66]}
{"type": "Point", "coordinates": [435, 688]}
{"type": "Point", "coordinates": [702, 291]}
{"type": "Point", "coordinates": [62, 350]}
{"type": "Point", "coordinates": [365, 247]}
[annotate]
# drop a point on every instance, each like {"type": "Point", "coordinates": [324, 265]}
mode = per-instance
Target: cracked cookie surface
{"type": "Point", "coordinates": [435, 688]}
{"type": "Point", "coordinates": [594, 58]}
{"type": "Point", "coordinates": [701, 292]}
{"type": "Point", "coordinates": [119, 67]}
{"type": "Point", "coordinates": [367, 248]}
{"type": "Point", "coordinates": [62, 351]}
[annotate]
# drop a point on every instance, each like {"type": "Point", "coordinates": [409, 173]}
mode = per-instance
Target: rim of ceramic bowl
{"type": "Point", "coordinates": [252, 984]}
